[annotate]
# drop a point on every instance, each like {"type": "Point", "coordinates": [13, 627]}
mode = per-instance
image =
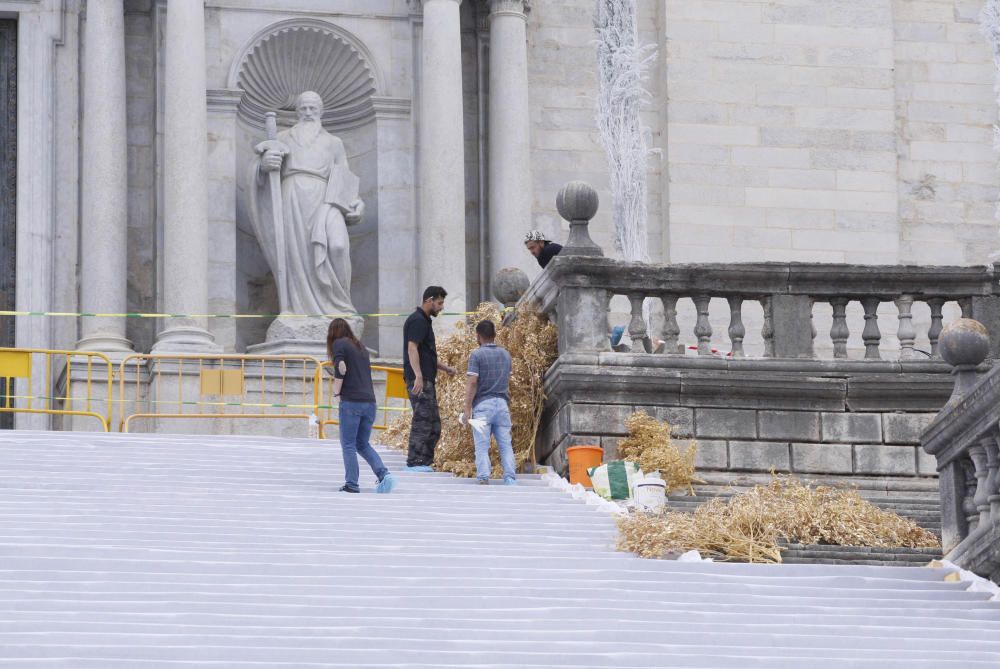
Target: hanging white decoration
{"type": "Point", "coordinates": [622, 68]}
{"type": "Point", "coordinates": [989, 20]}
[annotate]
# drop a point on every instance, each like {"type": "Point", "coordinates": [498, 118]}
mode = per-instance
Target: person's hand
{"type": "Point", "coordinates": [271, 160]}
{"type": "Point", "coordinates": [450, 371]}
{"type": "Point", "coordinates": [354, 215]}
{"type": "Point", "coordinates": [418, 385]}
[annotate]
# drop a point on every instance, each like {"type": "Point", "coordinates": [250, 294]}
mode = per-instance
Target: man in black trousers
{"type": "Point", "coordinates": [420, 367]}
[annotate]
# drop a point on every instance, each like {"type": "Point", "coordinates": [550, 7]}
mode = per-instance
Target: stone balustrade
{"type": "Point", "coordinates": [777, 407]}
{"type": "Point", "coordinates": [965, 440]}
{"type": "Point", "coordinates": [579, 284]}
{"type": "Point", "coordinates": [578, 290]}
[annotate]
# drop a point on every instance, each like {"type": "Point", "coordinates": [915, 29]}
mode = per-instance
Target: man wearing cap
{"type": "Point", "coordinates": [540, 247]}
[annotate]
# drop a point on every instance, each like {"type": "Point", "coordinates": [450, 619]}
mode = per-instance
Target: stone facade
{"type": "Point", "coordinates": [781, 131]}
{"type": "Point", "coordinates": [788, 130]}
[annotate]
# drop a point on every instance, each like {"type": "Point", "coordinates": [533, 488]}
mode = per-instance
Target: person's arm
{"type": "Point", "coordinates": [471, 383]}
{"type": "Point", "coordinates": [414, 355]}
{"type": "Point", "coordinates": [451, 371]}
{"type": "Point", "coordinates": [339, 372]}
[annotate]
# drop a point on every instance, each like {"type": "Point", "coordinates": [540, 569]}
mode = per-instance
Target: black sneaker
{"type": "Point", "coordinates": [345, 488]}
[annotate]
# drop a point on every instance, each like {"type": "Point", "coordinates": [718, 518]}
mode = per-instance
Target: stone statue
{"type": "Point", "coordinates": [302, 198]}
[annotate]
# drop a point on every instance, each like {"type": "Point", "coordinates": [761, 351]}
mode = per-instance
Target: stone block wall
{"type": "Point", "coordinates": [945, 106]}
{"type": "Point", "coordinates": [835, 131]}
{"type": "Point", "coordinates": [752, 416]}
{"type": "Point", "coordinates": [753, 440]}
{"type": "Point", "coordinates": [781, 131]}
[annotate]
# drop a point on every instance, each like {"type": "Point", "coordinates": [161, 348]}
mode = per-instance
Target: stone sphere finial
{"type": "Point", "coordinates": [964, 343]}
{"type": "Point", "coordinates": [509, 285]}
{"type": "Point", "coordinates": [577, 201]}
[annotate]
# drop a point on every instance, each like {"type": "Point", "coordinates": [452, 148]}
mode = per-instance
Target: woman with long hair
{"type": "Point", "coordinates": [352, 385]}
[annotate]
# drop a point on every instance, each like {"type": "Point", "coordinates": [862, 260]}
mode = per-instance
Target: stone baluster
{"type": "Point", "coordinates": [992, 444]}
{"type": "Point", "coordinates": [839, 331]}
{"type": "Point", "coordinates": [936, 304]}
{"type": "Point", "coordinates": [952, 486]}
{"type": "Point", "coordinates": [969, 500]}
{"type": "Point", "coordinates": [737, 331]}
{"type": "Point", "coordinates": [906, 333]}
{"type": "Point", "coordinates": [813, 332]}
{"type": "Point", "coordinates": [637, 325]}
{"type": "Point", "coordinates": [671, 330]}
{"type": "Point", "coordinates": [702, 327]}
{"type": "Point", "coordinates": [104, 195]}
{"type": "Point", "coordinates": [981, 498]}
{"type": "Point", "coordinates": [871, 335]}
{"type": "Point", "coordinates": [767, 330]}
{"type": "Point", "coordinates": [185, 181]}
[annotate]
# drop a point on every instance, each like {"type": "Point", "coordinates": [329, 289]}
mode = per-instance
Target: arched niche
{"type": "Point", "coordinates": [273, 68]}
{"type": "Point", "coordinates": [298, 55]}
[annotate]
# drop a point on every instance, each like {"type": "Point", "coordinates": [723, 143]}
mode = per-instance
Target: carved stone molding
{"type": "Point", "coordinates": [519, 8]}
{"type": "Point", "coordinates": [223, 100]}
{"type": "Point", "coordinates": [300, 55]}
{"type": "Point", "coordinates": [392, 107]}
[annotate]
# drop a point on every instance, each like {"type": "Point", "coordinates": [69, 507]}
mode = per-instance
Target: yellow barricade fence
{"type": "Point", "coordinates": [395, 400]}
{"type": "Point", "coordinates": [218, 386]}
{"type": "Point", "coordinates": [86, 379]}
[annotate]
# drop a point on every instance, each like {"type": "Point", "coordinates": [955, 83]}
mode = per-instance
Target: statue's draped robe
{"type": "Point", "coordinates": [317, 247]}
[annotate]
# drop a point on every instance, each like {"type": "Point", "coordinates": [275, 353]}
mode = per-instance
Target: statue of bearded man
{"type": "Point", "coordinates": [318, 200]}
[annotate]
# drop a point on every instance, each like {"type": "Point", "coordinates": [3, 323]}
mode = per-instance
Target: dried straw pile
{"type": "Point", "coordinates": [749, 526]}
{"type": "Point", "coordinates": [650, 445]}
{"type": "Point", "coordinates": [531, 340]}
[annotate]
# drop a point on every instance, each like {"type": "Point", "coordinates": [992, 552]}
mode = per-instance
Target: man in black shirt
{"type": "Point", "coordinates": [420, 366]}
{"type": "Point", "coordinates": [540, 247]}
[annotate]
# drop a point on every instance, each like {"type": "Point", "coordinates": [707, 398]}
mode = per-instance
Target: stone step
{"type": "Point", "coordinates": [148, 551]}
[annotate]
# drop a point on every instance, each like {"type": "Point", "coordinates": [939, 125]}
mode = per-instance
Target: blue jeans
{"type": "Point", "coordinates": [496, 413]}
{"type": "Point", "coordinates": [356, 420]}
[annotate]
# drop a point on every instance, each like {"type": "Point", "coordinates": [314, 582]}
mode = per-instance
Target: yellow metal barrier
{"type": "Point", "coordinates": [395, 389]}
{"type": "Point", "coordinates": [218, 386]}
{"type": "Point", "coordinates": [16, 365]}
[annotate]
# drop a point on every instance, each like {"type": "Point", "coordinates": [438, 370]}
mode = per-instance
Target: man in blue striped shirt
{"type": "Point", "coordinates": [487, 398]}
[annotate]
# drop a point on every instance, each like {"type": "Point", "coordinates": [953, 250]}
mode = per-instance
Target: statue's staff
{"type": "Point", "coordinates": [272, 144]}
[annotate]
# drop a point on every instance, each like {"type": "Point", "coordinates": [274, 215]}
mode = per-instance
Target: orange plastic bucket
{"type": "Point", "coordinates": [582, 458]}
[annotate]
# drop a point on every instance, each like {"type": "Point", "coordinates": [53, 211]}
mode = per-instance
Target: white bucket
{"type": "Point", "coordinates": [651, 494]}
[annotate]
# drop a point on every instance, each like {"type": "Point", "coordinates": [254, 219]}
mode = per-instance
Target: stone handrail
{"type": "Point", "coordinates": [577, 286]}
{"type": "Point", "coordinates": [965, 440]}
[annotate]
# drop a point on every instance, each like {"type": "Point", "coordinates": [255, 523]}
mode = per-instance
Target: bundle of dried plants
{"type": "Point", "coordinates": [749, 527]}
{"type": "Point", "coordinates": [650, 445]}
{"type": "Point", "coordinates": [531, 340]}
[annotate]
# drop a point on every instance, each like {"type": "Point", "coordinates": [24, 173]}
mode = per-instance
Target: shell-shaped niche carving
{"type": "Point", "coordinates": [297, 58]}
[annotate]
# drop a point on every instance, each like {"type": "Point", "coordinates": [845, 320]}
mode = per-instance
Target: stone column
{"type": "Point", "coordinates": [104, 227]}
{"type": "Point", "coordinates": [185, 181]}
{"type": "Point", "coordinates": [510, 185]}
{"type": "Point", "coordinates": [441, 233]}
